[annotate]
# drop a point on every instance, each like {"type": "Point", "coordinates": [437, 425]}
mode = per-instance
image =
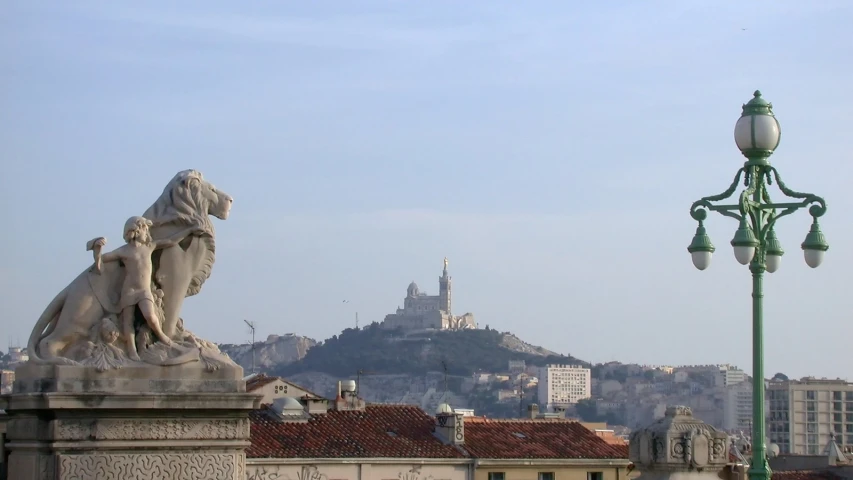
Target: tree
{"type": "Point", "coordinates": [586, 410]}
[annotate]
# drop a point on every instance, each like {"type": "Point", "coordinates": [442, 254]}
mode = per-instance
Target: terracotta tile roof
{"type": "Point", "coordinates": [551, 439]}
{"type": "Point", "coordinates": [394, 431]}
{"type": "Point", "coordinates": [806, 475]}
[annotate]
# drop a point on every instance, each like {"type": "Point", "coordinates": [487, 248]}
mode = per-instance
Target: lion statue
{"type": "Point", "coordinates": [179, 271]}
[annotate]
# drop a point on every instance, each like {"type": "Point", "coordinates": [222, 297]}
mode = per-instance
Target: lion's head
{"type": "Point", "coordinates": [189, 200]}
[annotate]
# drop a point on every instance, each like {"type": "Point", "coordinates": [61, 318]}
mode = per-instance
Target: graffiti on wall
{"type": "Point", "coordinates": [307, 472]}
{"type": "Point", "coordinates": [414, 474]}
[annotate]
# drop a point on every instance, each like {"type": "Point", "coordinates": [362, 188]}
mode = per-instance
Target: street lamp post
{"type": "Point", "coordinates": [755, 244]}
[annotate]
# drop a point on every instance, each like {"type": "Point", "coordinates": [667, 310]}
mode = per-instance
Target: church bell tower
{"type": "Point", "coordinates": [444, 290]}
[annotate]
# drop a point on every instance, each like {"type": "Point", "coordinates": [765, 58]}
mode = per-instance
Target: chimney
{"type": "Point", "coordinates": [450, 428]}
{"type": "Point", "coordinates": [348, 397]}
{"type": "Point", "coordinates": [533, 411]}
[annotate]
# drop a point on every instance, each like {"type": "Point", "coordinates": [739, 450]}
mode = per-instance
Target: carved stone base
{"type": "Point", "coordinates": [190, 378]}
{"type": "Point", "coordinates": [126, 436]}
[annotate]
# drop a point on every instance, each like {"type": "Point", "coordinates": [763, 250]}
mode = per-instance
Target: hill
{"type": "Point", "coordinates": [376, 350]}
{"type": "Point", "coordinates": [277, 350]}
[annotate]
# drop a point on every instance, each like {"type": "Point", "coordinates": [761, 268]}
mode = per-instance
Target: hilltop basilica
{"type": "Point", "coordinates": [421, 311]}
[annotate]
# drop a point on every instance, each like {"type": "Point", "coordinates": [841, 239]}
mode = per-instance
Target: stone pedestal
{"type": "Point", "coordinates": [146, 422]}
{"type": "Point", "coordinates": [679, 447]}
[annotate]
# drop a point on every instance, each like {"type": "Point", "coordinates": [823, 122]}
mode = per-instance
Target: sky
{"type": "Point", "coordinates": [549, 149]}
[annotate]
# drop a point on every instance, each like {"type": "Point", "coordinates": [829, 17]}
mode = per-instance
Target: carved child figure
{"type": "Point", "coordinates": [136, 289]}
{"type": "Point", "coordinates": [103, 335]}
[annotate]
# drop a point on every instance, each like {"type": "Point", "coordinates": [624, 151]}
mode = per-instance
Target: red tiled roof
{"type": "Point", "coordinates": [806, 475]}
{"type": "Point", "coordinates": [505, 439]}
{"type": "Point", "coordinates": [346, 434]}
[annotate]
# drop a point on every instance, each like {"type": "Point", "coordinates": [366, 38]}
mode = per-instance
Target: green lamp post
{"type": "Point", "coordinates": [755, 244]}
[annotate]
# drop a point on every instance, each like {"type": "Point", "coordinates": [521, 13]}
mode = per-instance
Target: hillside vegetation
{"type": "Point", "coordinates": [376, 350]}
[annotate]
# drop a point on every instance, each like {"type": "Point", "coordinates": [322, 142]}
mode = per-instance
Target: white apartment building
{"type": "Point", "coordinates": [802, 414]}
{"type": "Point", "coordinates": [737, 407]}
{"type": "Point", "coordinates": [728, 375]}
{"type": "Point", "coordinates": [563, 385]}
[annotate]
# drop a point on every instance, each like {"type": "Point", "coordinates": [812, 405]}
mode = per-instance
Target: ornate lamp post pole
{"type": "Point", "coordinates": [755, 244]}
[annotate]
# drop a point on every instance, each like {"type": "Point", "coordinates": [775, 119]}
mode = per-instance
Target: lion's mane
{"type": "Point", "coordinates": [184, 204]}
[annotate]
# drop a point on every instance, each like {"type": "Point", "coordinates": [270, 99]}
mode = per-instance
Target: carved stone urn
{"type": "Point", "coordinates": [679, 446]}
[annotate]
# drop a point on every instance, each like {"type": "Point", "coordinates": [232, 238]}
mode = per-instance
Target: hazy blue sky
{"type": "Point", "coordinates": [550, 149]}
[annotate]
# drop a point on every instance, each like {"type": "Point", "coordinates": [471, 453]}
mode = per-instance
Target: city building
{"type": "Point", "coordinates": [17, 355]}
{"type": "Point", "coordinates": [562, 385]}
{"type": "Point", "coordinates": [547, 449]}
{"type": "Point", "coordinates": [728, 375]}
{"type": "Point", "coordinates": [273, 388]}
{"type": "Point", "coordinates": [737, 407]}
{"type": "Point", "coordinates": [517, 366]}
{"type": "Point", "coordinates": [803, 414]}
{"type": "Point", "coordinates": [375, 442]}
{"type": "Point", "coordinates": [422, 311]}
{"type": "Point", "coordinates": [372, 442]}
{"type": "Point", "coordinates": [7, 380]}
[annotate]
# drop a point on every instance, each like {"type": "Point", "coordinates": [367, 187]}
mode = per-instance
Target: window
{"type": "Point", "coordinates": [836, 406]}
{"type": "Point", "coordinates": [810, 395]}
{"type": "Point", "coordinates": [811, 439]}
{"type": "Point", "coordinates": [811, 427]}
{"type": "Point", "coordinates": [497, 475]}
{"type": "Point", "coordinates": [836, 427]}
{"type": "Point", "coordinates": [810, 406]}
{"type": "Point", "coordinates": [848, 417]}
{"type": "Point", "coordinates": [811, 417]}
{"type": "Point", "coordinates": [594, 476]}
{"type": "Point", "coordinates": [848, 396]}
{"type": "Point", "coordinates": [836, 417]}
{"type": "Point", "coordinates": [836, 396]}
{"type": "Point", "coordinates": [546, 476]}
{"type": "Point", "coordinates": [850, 428]}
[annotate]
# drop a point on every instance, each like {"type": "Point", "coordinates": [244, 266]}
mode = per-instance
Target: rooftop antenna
{"type": "Point", "coordinates": [358, 375]}
{"type": "Point", "coordinates": [521, 396]}
{"type": "Point", "coordinates": [252, 328]}
{"type": "Point", "coordinates": [356, 320]}
{"type": "Point", "coordinates": [444, 367]}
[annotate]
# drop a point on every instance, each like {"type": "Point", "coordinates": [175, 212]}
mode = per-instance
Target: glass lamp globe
{"type": "Point", "coordinates": [774, 252]}
{"type": "Point", "coordinates": [773, 262]}
{"type": "Point", "coordinates": [757, 132]}
{"type": "Point", "coordinates": [814, 246]}
{"type": "Point", "coordinates": [701, 249]}
{"type": "Point", "coordinates": [744, 243]}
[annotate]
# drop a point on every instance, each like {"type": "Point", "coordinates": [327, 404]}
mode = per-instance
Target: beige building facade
{"type": "Point", "coordinates": [273, 388]}
{"type": "Point", "coordinates": [563, 385]}
{"type": "Point", "coordinates": [358, 469]}
{"type": "Point", "coordinates": [551, 469]}
{"type": "Point", "coordinates": [802, 414]}
{"type": "Point", "coordinates": [355, 441]}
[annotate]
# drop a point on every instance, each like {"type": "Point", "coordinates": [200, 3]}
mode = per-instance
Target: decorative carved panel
{"type": "Point", "coordinates": [159, 429]}
{"type": "Point", "coordinates": [183, 466]}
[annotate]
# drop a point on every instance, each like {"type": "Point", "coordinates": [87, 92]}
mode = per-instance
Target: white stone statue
{"type": "Point", "coordinates": [135, 255]}
{"type": "Point", "coordinates": [168, 256]}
